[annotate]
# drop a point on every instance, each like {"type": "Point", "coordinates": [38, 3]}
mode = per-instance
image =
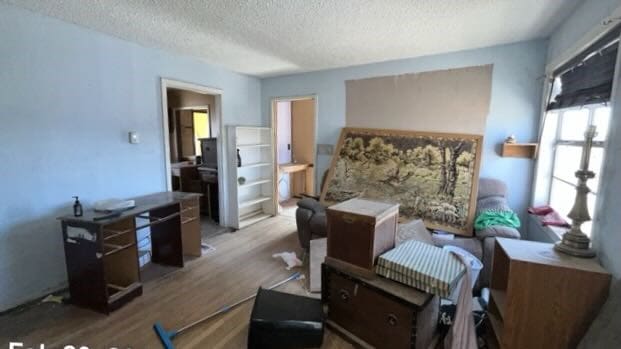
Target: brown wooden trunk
{"type": "Point", "coordinates": [380, 313]}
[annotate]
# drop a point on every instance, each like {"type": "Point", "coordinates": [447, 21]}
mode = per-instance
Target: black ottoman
{"type": "Point", "coordinates": [285, 321]}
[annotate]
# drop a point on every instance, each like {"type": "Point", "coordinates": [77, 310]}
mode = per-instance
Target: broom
{"type": "Point", "coordinates": [166, 337]}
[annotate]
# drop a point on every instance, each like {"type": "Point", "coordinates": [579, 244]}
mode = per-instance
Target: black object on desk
{"type": "Point", "coordinates": [282, 321]}
{"type": "Point", "coordinates": [102, 254]}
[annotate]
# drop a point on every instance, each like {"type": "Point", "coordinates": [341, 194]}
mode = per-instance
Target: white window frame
{"type": "Point", "coordinates": [544, 172]}
{"type": "Point", "coordinates": [558, 141]}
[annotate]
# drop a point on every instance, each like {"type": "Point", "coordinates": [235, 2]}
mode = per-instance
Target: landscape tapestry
{"type": "Point", "coordinates": [433, 176]}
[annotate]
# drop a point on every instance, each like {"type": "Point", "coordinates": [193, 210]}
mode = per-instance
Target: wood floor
{"type": "Point", "coordinates": [242, 262]}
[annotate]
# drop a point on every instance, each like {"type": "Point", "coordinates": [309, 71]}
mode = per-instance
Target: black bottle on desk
{"type": "Point", "coordinates": [77, 207]}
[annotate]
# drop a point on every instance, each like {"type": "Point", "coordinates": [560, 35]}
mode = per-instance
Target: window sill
{"type": "Point", "coordinates": [538, 232]}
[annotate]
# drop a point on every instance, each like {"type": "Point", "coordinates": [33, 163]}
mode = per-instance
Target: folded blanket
{"type": "Point", "coordinates": [489, 218]}
{"type": "Point", "coordinates": [550, 216]}
{"type": "Point", "coordinates": [554, 219]}
{"type": "Point", "coordinates": [540, 210]}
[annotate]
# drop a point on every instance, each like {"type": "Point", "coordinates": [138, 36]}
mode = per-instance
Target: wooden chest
{"type": "Point", "coordinates": [377, 312]}
{"type": "Point", "coordinates": [360, 230]}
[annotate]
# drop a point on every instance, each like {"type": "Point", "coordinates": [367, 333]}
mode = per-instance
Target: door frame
{"type": "Point", "coordinates": [274, 125]}
{"type": "Point", "coordinates": [165, 84]}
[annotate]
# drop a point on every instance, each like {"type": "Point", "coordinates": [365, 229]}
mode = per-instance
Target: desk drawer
{"type": "Point", "coordinates": [191, 227]}
{"type": "Point", "coordinates": [190, 208]}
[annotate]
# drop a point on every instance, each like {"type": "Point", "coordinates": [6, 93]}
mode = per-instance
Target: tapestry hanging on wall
{"type": "Point", "coordinates": [433, 176]}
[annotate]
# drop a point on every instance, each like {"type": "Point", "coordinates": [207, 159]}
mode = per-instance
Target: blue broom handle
{"type": "Point", "coordinates": [227, 308]}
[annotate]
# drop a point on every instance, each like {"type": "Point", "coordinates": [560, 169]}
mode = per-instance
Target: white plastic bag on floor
{"type": "Point", "coordinates": [290, 258]}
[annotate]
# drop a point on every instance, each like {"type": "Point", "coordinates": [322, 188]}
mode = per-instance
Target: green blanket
{"type": "Point", "coordinates": [494, 217]}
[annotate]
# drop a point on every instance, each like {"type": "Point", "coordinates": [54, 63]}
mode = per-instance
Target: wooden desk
{"type": "Point", "coordinates": [102, 255]}
{"type": "Point", "coordinates": [306, 186]}
{"type": "Point", "coordinates": [209, 186]}
{"type": "Point", "coordinates": [179, 172]}
{"type": "Point", "coordinates": [201, 179]}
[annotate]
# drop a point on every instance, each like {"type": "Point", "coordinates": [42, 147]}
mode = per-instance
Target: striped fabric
{"type": "Point", "coordinates": [423, 266]}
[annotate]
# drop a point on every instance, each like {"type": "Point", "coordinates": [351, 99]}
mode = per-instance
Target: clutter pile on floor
{"type": "Point", "coordinates": [386, 294]}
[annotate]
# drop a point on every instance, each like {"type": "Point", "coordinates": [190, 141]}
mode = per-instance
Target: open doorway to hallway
{"type": "Point", "coordinates": [193, 155]}
{"type": "Point", "coordinates": [294, 121]}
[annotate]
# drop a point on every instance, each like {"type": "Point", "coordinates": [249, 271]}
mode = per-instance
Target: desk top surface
{"type": "Point", "coordinates": [544, 253]}
{"type": "Point", "coordinates": [293, 167]}
{"type": "Point", "coordinates": [365, 207]}
{"type": "Point", "coordinates": [143, 204]}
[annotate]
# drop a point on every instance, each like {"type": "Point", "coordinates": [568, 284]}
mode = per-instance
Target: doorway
{"type": "Point", "coordinates": [193, 149]}
{"type": "Point", "coordinates": [294, 121]}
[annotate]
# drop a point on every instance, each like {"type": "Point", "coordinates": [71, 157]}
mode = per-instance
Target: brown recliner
{"type": "Point", "coordinates": [310, 218]}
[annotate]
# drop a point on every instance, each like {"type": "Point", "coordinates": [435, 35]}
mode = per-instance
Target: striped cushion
{"type": "Point", "coordinates": [426, 267]}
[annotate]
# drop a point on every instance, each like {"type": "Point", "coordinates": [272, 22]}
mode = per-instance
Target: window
{"type": "Point", "coordinates": [201, 128]}
{"type": "Point", "coordinates": [571, 124]}
{"type": "Point", "coordinates": [579, 95]}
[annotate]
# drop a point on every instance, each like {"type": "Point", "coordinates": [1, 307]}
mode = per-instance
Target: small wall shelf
{"type": "Point", "coordinates": [519, 150]}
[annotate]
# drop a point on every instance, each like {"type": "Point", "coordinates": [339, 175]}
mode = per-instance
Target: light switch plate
{"type": "Point", "coordinates": [325, 149]}
{"type": "Point", "coordinates": [134, 138]}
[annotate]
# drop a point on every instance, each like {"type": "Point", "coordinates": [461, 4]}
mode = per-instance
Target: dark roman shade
{"type": "Point", "coordinates": [587, 78]}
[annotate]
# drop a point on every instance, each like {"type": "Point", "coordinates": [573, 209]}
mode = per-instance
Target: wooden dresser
{"type": "Point", "coordinates": [377, 312]}
{"type": "Point", "coordinates": [541, 298]}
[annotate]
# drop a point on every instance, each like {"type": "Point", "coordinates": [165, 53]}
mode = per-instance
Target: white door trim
{"type": "Point", "coordinates": [216, 113]}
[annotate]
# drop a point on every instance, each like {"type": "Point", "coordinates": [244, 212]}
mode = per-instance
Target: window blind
{"type": "Point", "coordinates": [587, 78]}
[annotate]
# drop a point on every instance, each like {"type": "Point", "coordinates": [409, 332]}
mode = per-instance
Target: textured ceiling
{"type": "Point", "coordinates": [272, 37]}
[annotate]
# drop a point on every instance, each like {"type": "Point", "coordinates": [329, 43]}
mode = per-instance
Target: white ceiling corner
{"type": "Point", "coordinates": [275, 37]}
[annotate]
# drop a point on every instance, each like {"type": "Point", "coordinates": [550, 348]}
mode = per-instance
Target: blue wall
{"type": "Point", "coordinates": [68, 97]}
{"type": "Point", "coordinates": [515, 102]}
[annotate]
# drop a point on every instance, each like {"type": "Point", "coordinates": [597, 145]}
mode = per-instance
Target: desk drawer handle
{"type": "Point", "coordinates": [344, 295]}
{"type": "Point", "coordinates": [392, 320]}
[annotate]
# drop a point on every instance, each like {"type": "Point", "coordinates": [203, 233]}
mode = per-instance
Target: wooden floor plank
{"type": "Point", "coordinates": [241, 263]}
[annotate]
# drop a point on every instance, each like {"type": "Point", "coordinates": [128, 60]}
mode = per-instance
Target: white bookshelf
{"type": "Point", "coordinates": [252, 201]}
